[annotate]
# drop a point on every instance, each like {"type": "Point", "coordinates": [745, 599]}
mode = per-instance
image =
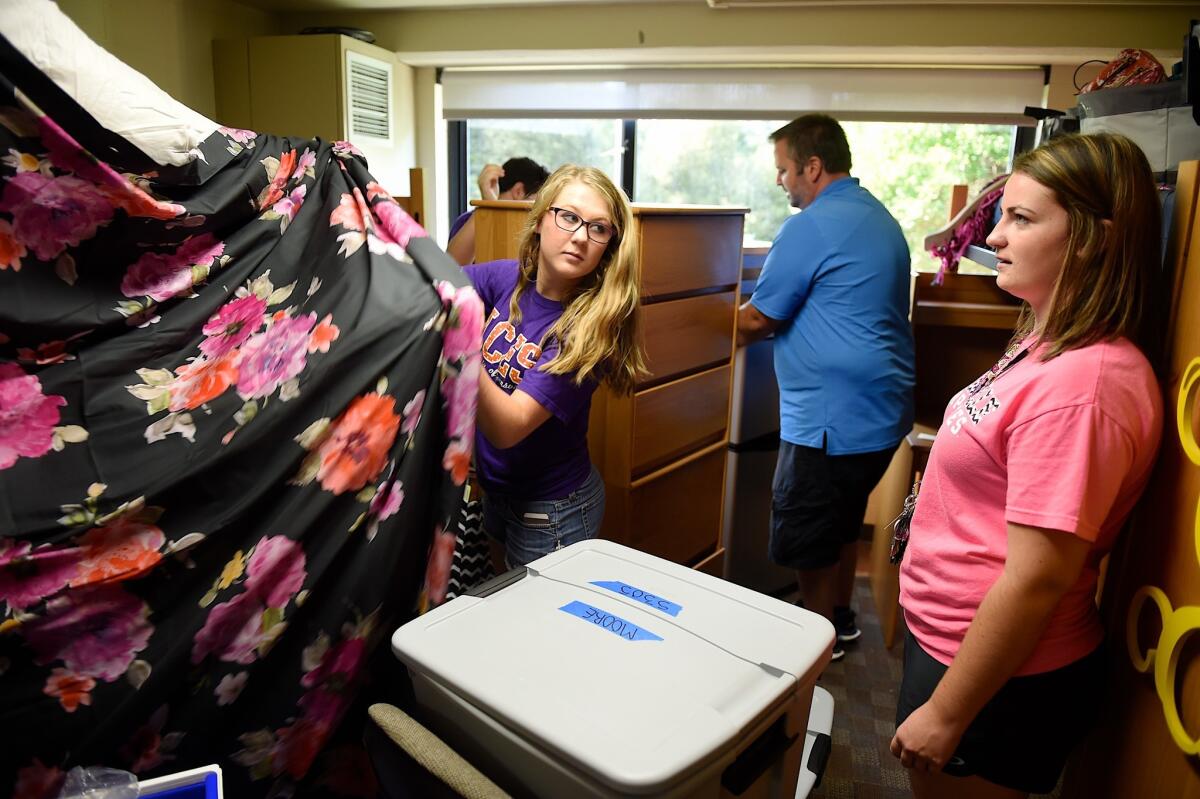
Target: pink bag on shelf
{"type": "Point", "coordinates": [1130, 68]}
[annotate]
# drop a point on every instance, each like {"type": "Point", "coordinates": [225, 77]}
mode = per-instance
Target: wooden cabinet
{"type": "Point", "coordinates": [662, 450]}
{"type": "Point", "coordinates": [328, 86]}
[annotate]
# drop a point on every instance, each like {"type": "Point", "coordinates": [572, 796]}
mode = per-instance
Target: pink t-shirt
{"type": "Point", "coordinates": [1067, 445]}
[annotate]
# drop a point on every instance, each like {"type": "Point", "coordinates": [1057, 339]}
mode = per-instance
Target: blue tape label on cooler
{"type": "Point", "coordinates": [614, 624]}
{"type": "Point", "coordinates": [639, 595]}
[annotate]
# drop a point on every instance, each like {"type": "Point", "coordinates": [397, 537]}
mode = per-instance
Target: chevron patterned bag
{"type": "Point", "coordinates": [472, 555]}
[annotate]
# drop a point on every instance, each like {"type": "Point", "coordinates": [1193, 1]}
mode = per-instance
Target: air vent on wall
{"type": "Point", "coordinates": [368, 98]}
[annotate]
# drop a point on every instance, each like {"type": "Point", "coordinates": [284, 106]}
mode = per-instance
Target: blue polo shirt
{"type": "Point", "coordinates": [837, 276]}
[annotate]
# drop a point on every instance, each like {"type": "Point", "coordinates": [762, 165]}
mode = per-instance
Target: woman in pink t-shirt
{"type": "Point", "coordinates": [1034, 470]}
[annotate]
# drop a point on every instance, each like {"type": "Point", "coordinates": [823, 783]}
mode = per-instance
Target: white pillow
{"type": "Point", "coordinates": [120, 98]}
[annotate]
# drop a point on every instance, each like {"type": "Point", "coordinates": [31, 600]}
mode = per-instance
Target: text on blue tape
{"type": "Point", "coordinates": [614, 624]}
{"type": "Point", "coordinates": [645, 597]}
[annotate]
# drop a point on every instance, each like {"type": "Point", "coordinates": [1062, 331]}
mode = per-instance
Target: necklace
{"type": "Point", "coordinates": [1015, 353]}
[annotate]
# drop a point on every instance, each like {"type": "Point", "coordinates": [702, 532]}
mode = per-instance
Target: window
{"type": "Point", "coordinates": [908, 166]}
{"type": "Point", "coordinates": [550, 142]}
{"type": "Point", "coordinates": [911, 166]}
{"type": "Point", "coordinates": [712, 162]}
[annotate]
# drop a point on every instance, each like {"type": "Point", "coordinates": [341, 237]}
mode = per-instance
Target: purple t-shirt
{"type": "Point", "coordinates": [458, 223]}
{"type": "Point", "coordinates": [552, 461]}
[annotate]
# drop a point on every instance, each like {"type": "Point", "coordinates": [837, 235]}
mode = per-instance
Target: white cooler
{"type": "Point", "coordinates": [602, 671]}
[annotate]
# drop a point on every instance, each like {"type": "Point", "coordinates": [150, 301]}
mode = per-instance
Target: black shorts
{"type": "Point", "coordinates": [818, 502]}
{"type": "Point", "coordinates": [1023, 736]}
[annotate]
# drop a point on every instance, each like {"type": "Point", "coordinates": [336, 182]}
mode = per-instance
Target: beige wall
{"type": "Point", "coordinates": [1057, 35]}
{"type": "Point", "coordinates": [631, 25]}
{"type": "Point", "coordinates": [170, 41]}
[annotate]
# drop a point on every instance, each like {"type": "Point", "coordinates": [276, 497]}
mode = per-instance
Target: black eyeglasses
{"type": "Point", "coordinates": [599, 232]}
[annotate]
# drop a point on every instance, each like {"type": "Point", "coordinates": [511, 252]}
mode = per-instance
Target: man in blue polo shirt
{"type": "Point", "coordinates": [834, 290]}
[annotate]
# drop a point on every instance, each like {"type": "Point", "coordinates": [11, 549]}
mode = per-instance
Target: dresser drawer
{"type": "Point", "coordinates": [672, 420]}
{"type": "Point", "coordinates": [677, 515]}
{"type": "Point", "coordinates": [682, 254]}
{"type": "Point", "coordinates": [682, 336]}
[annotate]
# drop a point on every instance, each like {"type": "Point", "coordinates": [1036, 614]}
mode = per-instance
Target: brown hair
{"type": "Point", "coordinates": [597, 333]}
{"type": "Point", "coordinates": [819, 135]}
{"type": "Point", "coordinates": [1110, 271]}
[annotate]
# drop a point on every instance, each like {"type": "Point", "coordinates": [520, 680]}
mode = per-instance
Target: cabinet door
{"type": "Point", "coordinates": [295, 86]}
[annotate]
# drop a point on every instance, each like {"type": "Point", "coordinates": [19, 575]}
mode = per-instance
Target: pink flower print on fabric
{"type": "Point", "coordinates": [239, 135]}
{"type": "Point", "coordinates": [330, 681]}
{"type": "Point", "coordinates": [375, 190]}
{"type": "Point", "coordinates": [412, 413]}
{"type": "Point", "coordinates": [307, 160]}
{"type": "Point", "coordinates": [53, 213]}
{"type": "Point", "coordinates": [93, 631]}
{"type": "Point", "coordinates": [231, 325]}
{"type": "Point", "coordinates": [289, 206]}
{"type": "Point", "coordinates": [276, 570]}
{"type": "Point", "coordinates": [27, 416]}
{"type": "Point", "coordinates": [230, 688]}
{"type": "Point", "coordinates": [274, 356]}
{"type": "Point", "coordinates": [342, 148]}
{"type": "Point", "coordinates": [232, 631]}
{"type": "Point", "coordinates": [395, 224]}
{"type": "Point", "coordinates": [161, 276]}
{"type": "Point", "coordinates": [388, 500]}
{"type": "Point", "coordinates": [67, 154]}
{"type": "Point", "coordinates": [460, 394]}
{"type": "Point", "coordinates": [28, 576]}
{"type": "Point", "coordinates": [463, 331]}
{"type": "Point", "coordinates": [340, 664]}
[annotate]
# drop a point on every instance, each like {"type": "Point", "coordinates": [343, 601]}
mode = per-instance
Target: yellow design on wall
{"type": "Point", "coordinates": [1178, 624]}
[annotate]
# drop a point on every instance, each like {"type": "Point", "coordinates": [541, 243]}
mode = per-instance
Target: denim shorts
{"type": "Point", "coordinates": [818, 502]}
{"type": "Point", "coordinates": [531, 528]}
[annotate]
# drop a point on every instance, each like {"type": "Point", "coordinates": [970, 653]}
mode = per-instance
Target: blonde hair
{"type": "Point", "coordinates": [1111, 266]}
{"type": "Point", "coordinates": [597, 334]}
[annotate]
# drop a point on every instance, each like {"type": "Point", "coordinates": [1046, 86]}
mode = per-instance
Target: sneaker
{"type": "Point", "coordinates": [838, 652]}
{"type": "Point", "coordinates": [844, 624]}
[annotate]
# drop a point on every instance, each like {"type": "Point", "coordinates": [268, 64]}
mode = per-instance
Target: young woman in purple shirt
{"type": "Point", "coordinates": [562, 319]}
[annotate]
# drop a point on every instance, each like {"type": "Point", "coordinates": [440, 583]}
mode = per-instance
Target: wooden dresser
{"type": "Point", "coordinates": [662, 451]}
